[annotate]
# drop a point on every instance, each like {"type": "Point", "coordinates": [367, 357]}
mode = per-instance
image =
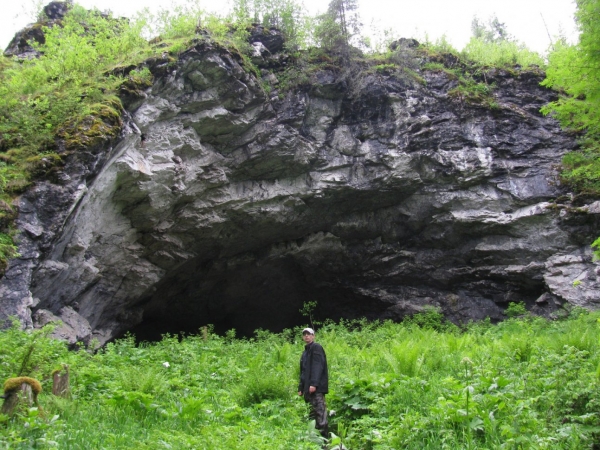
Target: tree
{"type": "Point", "coordinates": [289, 16]}
{"type": "Point", "coordinates": [336, 28]}
{"type": "Point", "coordinates": [492, 32]}
{"type": "Point", "coordinates": [574, 71]}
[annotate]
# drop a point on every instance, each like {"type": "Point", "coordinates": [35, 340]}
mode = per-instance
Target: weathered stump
{"type": "Point", "coordinates": [17, 390]}
{"type": "Point", "coordinates": [60, 382]}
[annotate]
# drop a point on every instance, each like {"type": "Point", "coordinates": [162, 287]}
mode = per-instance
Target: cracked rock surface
{"type": "Point", "coordinates": [375, 195]}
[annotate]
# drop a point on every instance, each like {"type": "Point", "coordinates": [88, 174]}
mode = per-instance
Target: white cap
{"type": "Point", "coordinates": [308, 330]}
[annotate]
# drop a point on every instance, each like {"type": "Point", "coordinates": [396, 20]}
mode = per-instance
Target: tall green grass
{"type": "Point", "coordinates": [501, 54]}
{"type": "Point", "coordinates": [525, 383]}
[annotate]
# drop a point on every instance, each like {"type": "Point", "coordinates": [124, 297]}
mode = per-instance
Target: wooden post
{"type": "Point", "coordinates": [20, 389]}
{"type": "Point", "coordinates": [60, 382]}
{"type": "Point", "coordinates": [205, 332]}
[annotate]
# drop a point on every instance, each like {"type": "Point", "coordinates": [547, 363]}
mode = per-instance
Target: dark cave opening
{"type": "Point", "coordinates": [247, 296]}
{"type": "Point", "coordinates": [267, 289]}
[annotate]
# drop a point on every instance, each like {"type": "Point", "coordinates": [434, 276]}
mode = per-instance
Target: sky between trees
{"type": "Point", "coordinates": [529, 21]}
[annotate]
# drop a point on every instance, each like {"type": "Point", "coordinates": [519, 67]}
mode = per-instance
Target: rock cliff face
{"type": "Point", "coordinates": [374, 194]}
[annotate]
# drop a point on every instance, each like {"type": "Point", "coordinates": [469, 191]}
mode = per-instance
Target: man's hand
{"type": "Point", "coordinates": [299, 392]}
{"type": "Point", "coordinates": [312, 389]}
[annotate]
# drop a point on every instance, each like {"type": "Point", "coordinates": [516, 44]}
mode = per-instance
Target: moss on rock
{"type": "Point", "coordinates": [102, 123]}
{"type": "Point", "coordinates": [12, 384]}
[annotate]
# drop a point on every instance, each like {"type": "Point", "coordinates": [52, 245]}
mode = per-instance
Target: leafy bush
{"type": "Point", "coordinates": [30, 353]}
{"type": "Point", "coordinates": [471, 91]}
{"type": "Point", "coordinates": [515, 309]}
{"type": "Point", "coordinates": [431, 319]}
{"type": "Point", "coordinates": [440, 46]}
{"type": "Point", "coordinates": [581, 170]}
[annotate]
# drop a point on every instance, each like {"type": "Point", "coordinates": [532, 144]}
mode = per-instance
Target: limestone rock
{"type": "Point", "coordinates": [20, 46]}
{"type": "Point", "coordinates": [375, 195]}
{"type": "Point", "coordinates": [270, 38]}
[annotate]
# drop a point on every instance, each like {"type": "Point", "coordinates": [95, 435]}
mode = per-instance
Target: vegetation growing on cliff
{"type": "Point", "coordinates": [62, 101]}
{"type": "Point", "coordinates": [525, 383]}
{"type": "Point", "coordinates": [574, 71]}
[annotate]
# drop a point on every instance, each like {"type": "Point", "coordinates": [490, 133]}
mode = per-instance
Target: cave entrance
{"type": "Point", "coordinates": [247, 296]}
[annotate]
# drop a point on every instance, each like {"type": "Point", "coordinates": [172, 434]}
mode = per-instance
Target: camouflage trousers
{"type": "Point", "coordinates": [318, 411]}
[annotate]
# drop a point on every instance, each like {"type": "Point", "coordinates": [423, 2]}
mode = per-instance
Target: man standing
{"type": "Point", "coordinates": [314, 379]}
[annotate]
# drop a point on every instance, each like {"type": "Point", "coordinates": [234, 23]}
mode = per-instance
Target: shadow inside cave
{"type": "Point", "coordinates": [249, 295]}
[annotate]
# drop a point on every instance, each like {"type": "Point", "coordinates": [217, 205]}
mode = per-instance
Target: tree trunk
{"type": "Point", "coordinates": [60, 382]}
{"type": "Point", "coordinates": [12, 399]}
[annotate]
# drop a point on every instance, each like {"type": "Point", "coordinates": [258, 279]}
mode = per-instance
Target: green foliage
{"type": "Point", "coordinates": [470, 66]}
{"type": "Point", "coordinates": [307, 310]}
{"type": "Point", "coordinates": [306, 64]}
{"type": "Point", "coordinates": [501, 53]}
{"type": "Point", "coordinates": [473, 92]}
{"type": "Point", "coordinates": [13, 179]}
{"type": "Point", "coordinates": [439, 46]}
{"type": "Point", "coordinates": [329, 35]}
{"type": "Point", "coordinates": [596, 247]}
{"type": "Point", "coordinates": [515, 309]}
{"type": "Point", "coordinates": [336, 28]}
{"type": "Point", "coordinates": [177, 20]}
{"type": "Point", "coordinates": [573, 70]}
{"type": "Point", "coordinates": [430, 319]}
{"type": "Point", "coordinates": [30, 353]}
{"type": "Point", "coordinates": [8, 250]}
{"type": "Point", "coordinates": [581, 170]}
{"type": "Point", "coordinates": [489, 48]}
{"type": "Point", "coordinates": [385, 68]}
{"type": "Point", "coordinates": [525, 383]}
{"type": "Point", "coordinates": [67, 94]}
{"type": "Point", "coordinates": [263, 380]}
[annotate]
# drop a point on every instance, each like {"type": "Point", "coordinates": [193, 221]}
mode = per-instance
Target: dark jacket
{"type": "Point", "coordinates": [313, 369]}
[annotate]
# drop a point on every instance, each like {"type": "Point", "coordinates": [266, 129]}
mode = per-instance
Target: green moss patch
{"type": "Point", "coordinates": [12, 384]}
{"type": "Point", "coordinates": [101, 124]}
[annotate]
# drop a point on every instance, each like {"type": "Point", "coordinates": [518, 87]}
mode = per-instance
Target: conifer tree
{"type": "Point", "coordinates": [338, 26]}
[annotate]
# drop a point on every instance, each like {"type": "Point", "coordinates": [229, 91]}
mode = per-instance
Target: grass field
{"type": "Point", "coordinates": [525, 383]}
